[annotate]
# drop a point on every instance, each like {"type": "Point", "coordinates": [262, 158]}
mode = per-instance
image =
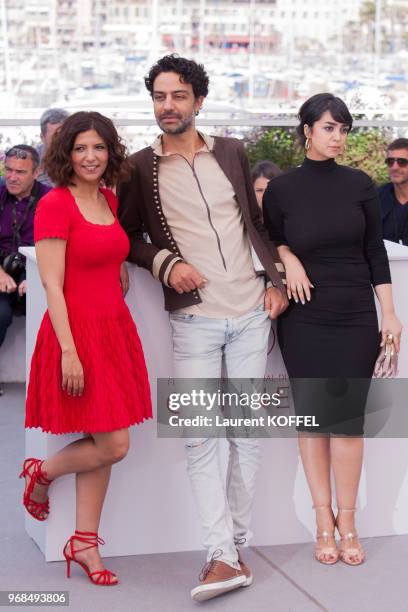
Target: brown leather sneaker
{"type": "Point", "coordinates": [246, 571]}
{"type": "Point", "coordinates": [216, 578]}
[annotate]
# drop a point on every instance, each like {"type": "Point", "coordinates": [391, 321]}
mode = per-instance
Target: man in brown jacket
{"type": "Point", "coordinates": [193, 195]}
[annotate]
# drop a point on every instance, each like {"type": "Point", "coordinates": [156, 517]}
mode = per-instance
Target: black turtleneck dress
{"type": "Point", "coordinates": [329, 216]}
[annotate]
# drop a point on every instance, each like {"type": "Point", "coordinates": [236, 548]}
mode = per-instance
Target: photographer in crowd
{"type": "Point", "coordinates": [18, 199]}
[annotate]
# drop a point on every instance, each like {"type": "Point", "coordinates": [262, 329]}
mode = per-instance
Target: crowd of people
{"type": "Point", "coordinates": [315, 229]}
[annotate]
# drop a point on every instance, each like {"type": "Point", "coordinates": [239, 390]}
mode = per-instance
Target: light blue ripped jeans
{"type": "Point", "coordinates": [201, 345]}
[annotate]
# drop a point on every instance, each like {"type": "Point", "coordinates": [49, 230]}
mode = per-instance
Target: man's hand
{"type": "Point", "coordinates": [275, 302]}
{"type": "Point", "coordinates": [22, 288]}
{"type": "Point", "coordinates": [7, 284]}
{"type": "Point", "coordinates": [185, 278]}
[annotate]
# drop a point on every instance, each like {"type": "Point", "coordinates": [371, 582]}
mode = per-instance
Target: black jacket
{"type": "Point", "coordinates": [393, 229]}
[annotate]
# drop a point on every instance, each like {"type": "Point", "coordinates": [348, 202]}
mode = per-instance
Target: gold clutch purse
{"type": "Point", "coordinates": [386, 365]}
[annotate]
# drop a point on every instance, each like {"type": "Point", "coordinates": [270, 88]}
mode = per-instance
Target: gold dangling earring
{"type": "Point", "coordinates": [307, 144]}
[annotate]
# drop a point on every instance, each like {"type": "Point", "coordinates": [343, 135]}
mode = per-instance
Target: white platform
{"type": "Point", "coordinates": [149, 507]}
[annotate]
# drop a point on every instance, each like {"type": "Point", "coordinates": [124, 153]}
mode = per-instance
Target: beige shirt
{"type": "Point", "coordinates": [205, 220]}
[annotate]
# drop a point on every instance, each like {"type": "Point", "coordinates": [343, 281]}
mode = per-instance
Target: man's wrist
{"type": "Point", "coordinates": [166, 277]}
{"type": "Point", "coordinates": [270, 285]}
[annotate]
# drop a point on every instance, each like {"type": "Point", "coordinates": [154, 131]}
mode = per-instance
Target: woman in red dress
{"type": "Point", "coordinates": [88, 372]}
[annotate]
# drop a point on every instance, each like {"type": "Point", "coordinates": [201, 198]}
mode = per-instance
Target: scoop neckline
{"type": "Point", "coordinates": [91, 222]}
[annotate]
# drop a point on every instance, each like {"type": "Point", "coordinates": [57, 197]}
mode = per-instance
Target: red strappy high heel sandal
{"type": "Point", "coordinates": [39, 510]}
{"type": "Point", "coordinates": [100, 578]}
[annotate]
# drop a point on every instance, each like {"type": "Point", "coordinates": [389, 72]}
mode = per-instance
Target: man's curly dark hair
{"type": "Point", "coordinates": [190, 72]}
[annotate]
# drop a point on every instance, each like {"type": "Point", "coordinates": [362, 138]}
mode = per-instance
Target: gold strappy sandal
{"type": "Point", "coordinates": [351, 551]}
{"type": "Point", "coordinates": [325, 553]}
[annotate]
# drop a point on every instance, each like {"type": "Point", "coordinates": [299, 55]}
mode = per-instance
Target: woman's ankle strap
{"type": "Point", "coordinates": [88, 537]}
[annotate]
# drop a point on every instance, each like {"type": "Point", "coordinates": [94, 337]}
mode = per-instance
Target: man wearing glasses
{"type": "Point", "coordinates": [394, 195]}
{"type": "Point", "coordinates": [19, 195]}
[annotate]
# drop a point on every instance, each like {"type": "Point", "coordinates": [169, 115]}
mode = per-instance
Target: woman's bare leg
{"type": "Point", "coordinates": [315, 454]}
{"type": "Point", "coordinates": [91, 487]}
{"type": "Point", "coordinates": [86, 455]}
{"type": "Point", "coordinates": [347, 460]}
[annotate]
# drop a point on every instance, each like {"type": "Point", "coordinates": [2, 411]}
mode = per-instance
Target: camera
{"type": "Point", "coordinates": [14, 265]}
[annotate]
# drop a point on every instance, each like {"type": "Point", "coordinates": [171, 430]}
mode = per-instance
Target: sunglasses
{"type": "Point", "coordinates": [402, 162]}
{"type": "Point", "coordinates": [17, 152]}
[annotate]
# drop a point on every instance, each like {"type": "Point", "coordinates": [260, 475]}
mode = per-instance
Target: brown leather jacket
{"type": "Point", "coordinates": [140, 211]}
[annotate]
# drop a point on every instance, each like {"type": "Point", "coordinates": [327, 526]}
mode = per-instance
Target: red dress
{"type": "Point", "coordinates": [116, 392]}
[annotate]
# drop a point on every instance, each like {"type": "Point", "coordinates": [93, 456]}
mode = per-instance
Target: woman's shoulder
{"type": "Point", "coordinates": [58, 198]}
{"type": "Point", "coordinates": [53, 215]}
{"type": "Point", "coordinates": [286, 176]}
{"type": "Point", "coordinates": [360, 177]}
{"type": "Point", "coordinates": [57, 194]}
{"type": "Point", "coordinates": [281, 182]}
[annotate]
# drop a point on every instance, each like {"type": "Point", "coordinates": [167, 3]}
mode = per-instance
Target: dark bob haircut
{"type": "Point", "coordinates": [190, 72]}
{"type": "Point", "coordinates": [266, 169]}
{"type": "Point", "coordinates": [57, 160]}
{"type": "Point", "coordinates": [312, 110]}
{"type": "Point", "coordinates": [399, 143]}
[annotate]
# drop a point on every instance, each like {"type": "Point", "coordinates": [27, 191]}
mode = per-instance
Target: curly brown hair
{"type": "Point", "coordinates": [57, 159]}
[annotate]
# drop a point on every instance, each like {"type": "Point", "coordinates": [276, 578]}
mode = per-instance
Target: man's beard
{"type": "Point", "coordinates": [180, 128]}
{"type": "Point", "coordinates": [400, 180]}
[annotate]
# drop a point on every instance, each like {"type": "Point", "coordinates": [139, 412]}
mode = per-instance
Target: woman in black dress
{"type": "Point", "coordinates": [325, 221]}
